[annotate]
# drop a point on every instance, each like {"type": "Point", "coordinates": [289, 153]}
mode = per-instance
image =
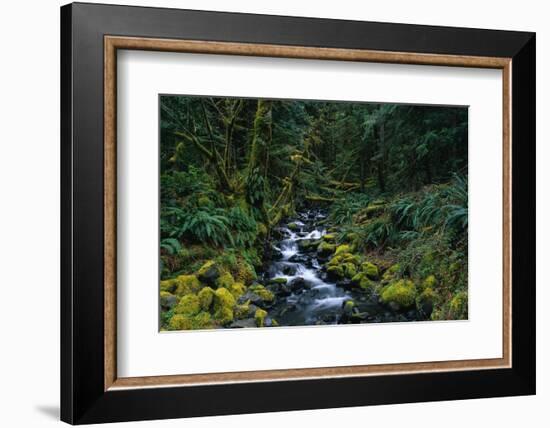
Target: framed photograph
{"type": "Point", "coordinates": [266, 213]}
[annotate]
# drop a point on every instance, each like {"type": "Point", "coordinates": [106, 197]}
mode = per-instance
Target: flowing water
{"type": "Point", "coordinates": [308, 297]}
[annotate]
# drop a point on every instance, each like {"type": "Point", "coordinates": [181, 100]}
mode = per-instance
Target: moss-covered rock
{"type": "Point", "coordinates": [293, 226]}
{"type": "Point", "coordinates": [168, 285]}
{"type": "Point", "coordinates": [370, 269]}
{"type": "Point", "coordinates": [349, 270]}
{"type": "Point", "coordinates": [399, 294]}
{"type": "Point", "coordinates": [180, 322]}
{"type": "Point", "coordinates": [188, 305]}
{"type": "Point", "coordinates": [344, 258]}
{"type": "Point", "coordinates": [325, 249]}
{"type": "Point", "coordinates": [167, 300]}
{"type": "Point", "coordinates": [209, 273]}
{"type": "Point", "coordinates": [429, 282]}
{"type": "Point", "coordinates": [202, 320]}
{"type": "Point", "coordinates": [223, 305]}
{"type": "Point", "coordinates": [262, 292]}
{"type": "Point", "coordinates": [344, 248]}
{"type": "Point", "coordinates": [237, 289]}
{"type": "Point", "coordinates": [335, 272]}
{"type": "Point", "coordinates": [458, 307]}
{"type": "Point", "coordinates": [278, 281]}
{"type": "Point", "coordinates": [206, 295]}
{"type": "Point", "coordinates": [245, 272]}
{"type": "Point", "coordinates": [259, 317]}
{"type": "Point", "coordinates": [186, 284]}
{"type": "Point", "coordinates": [242, 311]}
{"type": "Point", "coordinates": [361, 280]}
{"type": "Point", "coordinates": [348, 307]}
{"type": "Point", "coordinates": [329, 237]}
{"type": "Point", "coordinates": [225, 280]}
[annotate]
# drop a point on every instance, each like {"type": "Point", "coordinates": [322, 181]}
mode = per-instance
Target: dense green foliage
{"type": "Point", "coordinates": [393, 177]}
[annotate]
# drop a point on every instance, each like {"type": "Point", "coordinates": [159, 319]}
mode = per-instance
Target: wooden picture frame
{"type": "Point", "coordinates": [91, 390]}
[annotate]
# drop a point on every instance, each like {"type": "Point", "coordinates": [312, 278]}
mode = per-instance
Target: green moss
{"type": "Point", "coordinates": [168, 285]}
{"type": "Point", "coordinates": [344, 248]}
{"type": "Point", "coordinates": [280, 281]}
{"type": "Point", "coordinates": [335, 271]}
{"type": "Point", "coordinates": [348, 306]}
{"type": "Point", "coordinates": [225, 280]}
{"type": "Point", "coordinates": [186, 284]}
{"type": "Point", "coordinates": [429, 282]}
{"type": "Point", "coordinates": [209, 272]}
{"type": "Point", "coordinates": [237, 289]}
{"type": "Point", "coordinates": [241, 311]}
{"type": "Point", "coordinates": [344, 258]}
{"type": "Point", "coordinates": [329, 237]}
{"type": "Point", "coordinates": [362, 281]}
{"type": "Point", "coordinates": [459, 306]}
{"type": "Point", "coordinates": [325, 248]}
{"type": "Point", "coordinates": [188, 305]}
{"type": "Point", "coordinates": [400, 292]}
{"type": "Point", "coordinates": [202, 320]}
{"type": "Point", "coordinates": [167, 300]}
{"type": "Point", "coordinates": [206, 295]}
{"type": "Point", "coordinates": [223, 298]}
{"type": "Point", "coordinates": [259, 317]}
{"type": "Point", "coordinates": [293, 226]}
{"type": "Point", "coordinates": [224, 315]}
{"type": "Point", "coordinates": [391, 273]}
{"type": "Point", "coordinates": [245, 273]}
{"type": "Point", "coordinates": [180, 322]}
{"type": "Point", "coordinates": [370, 270]}
{"type": "Point", "coordinates": [264, 293]}
{"type": "Point", "coordinates": [349, 270]}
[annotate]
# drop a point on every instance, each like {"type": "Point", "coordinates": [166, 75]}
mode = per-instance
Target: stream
{"type": "Point", "coordinates": [308, 297]}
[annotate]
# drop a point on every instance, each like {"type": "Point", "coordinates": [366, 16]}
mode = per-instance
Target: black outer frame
{"type": "Point", "coordinates": [83, 399]}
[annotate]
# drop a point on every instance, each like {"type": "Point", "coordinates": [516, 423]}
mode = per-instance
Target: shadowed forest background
{"type": "Point", "coordinates": [282, 212]}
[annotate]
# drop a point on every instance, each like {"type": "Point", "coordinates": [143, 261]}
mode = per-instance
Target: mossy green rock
{"type": "Point", "coordinates": [349, 270]}
{"type": "Point", "coordinates": [186, 284]}
{"type": "Point", "coordinates": [188, 305]}
{"type": "Point", "coordinates": [344, 248]}
{"type": "Point", "coordinates": [335, 272]}
{"type": "Point", "coordinates": [329, 237]}
{"type": "Point", "coordinates": [262, 292]}
{"type": "Point", "coordinates": [279, 281]}
{"type": "Point", "coordinates": [225, 280]}
{"type": "Point", "coordinates": [259, 317]}
{"type": "Point", "coordinates": [237, 289]}
{"type": "Point", "coordinates": [242, 311]}
{"type": "Point", "coordinates": [208, 273]}
{"type": "Point", "coordinates": [293, 226]}
{"type": "Point", "coordinates": [400, 294]}
{"type": "Point", "coordinates": [326, 249]}
{"type": "Point", "coordinates": [370, 269]}
{"type": "Point", "coordinates": [168, 285]}
{"type": "Point", "coordinates": [344, 258]}
{"type": "Point", "coordinates": [167, 300]}
{"type": "Point", "coordinates": [206, 296]}
{"type": "Point", "coordinates": [362, 281]}
{"type": "Point", "coordinates": [223, 305]}
{"type": "Point", "coordinates": [245, 272]}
